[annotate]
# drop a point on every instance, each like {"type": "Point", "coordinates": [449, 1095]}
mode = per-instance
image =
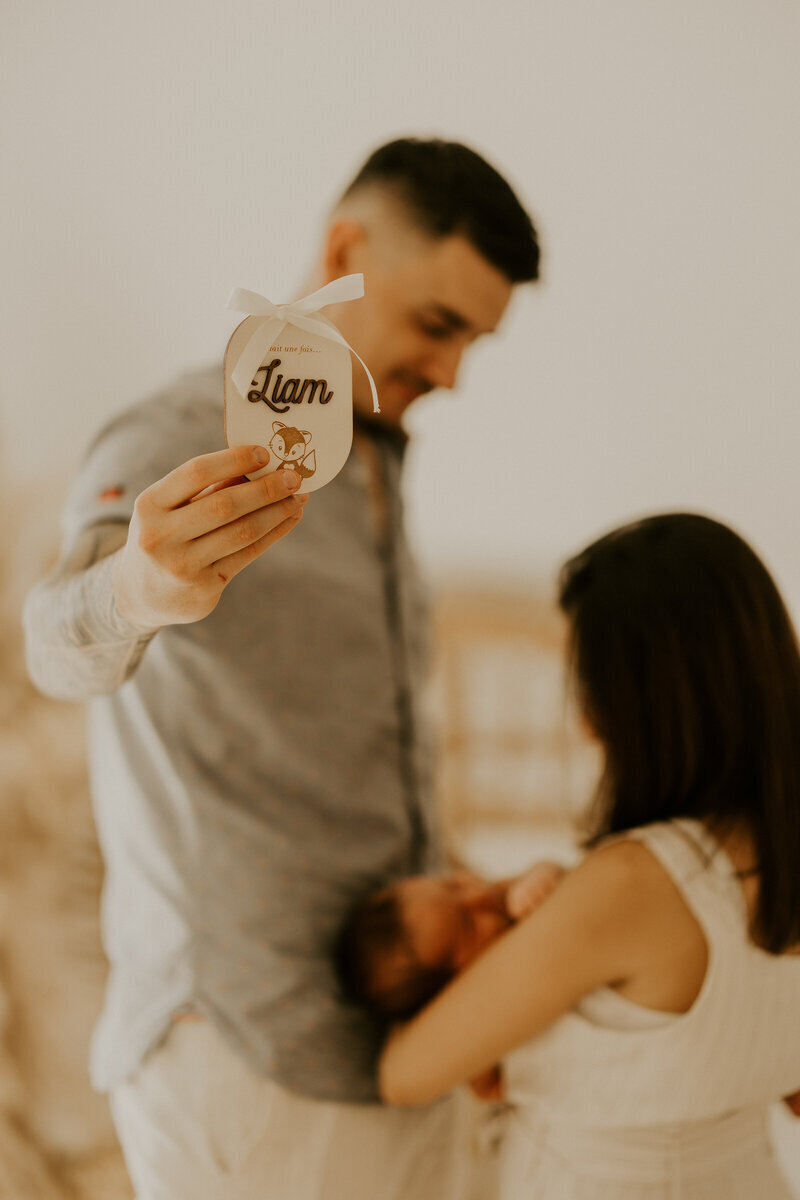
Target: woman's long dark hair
{"type": "Point", "coordinates": [687, 667]}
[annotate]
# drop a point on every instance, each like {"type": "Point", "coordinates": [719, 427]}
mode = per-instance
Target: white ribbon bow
{"type": "Point", "coordinates": [299, 313]}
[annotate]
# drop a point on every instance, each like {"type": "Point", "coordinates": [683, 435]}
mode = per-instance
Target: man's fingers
{"type": "Point", "coordinates": [245, 531]}
{"type": "Point", "coordinates": [217, 487]}
{"type": "Point", "coordinates": [220, 507]}
{"type": "Point", "coordinates": [194, 476]}
{"type": "Point", "coordinates": [232, 564]}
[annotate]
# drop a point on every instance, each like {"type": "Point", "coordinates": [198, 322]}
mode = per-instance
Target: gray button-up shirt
{"type": "Point", "coordinates": [252, 773]}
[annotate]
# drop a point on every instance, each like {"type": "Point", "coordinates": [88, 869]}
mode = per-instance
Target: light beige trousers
{"type": "Point", "coordinates": [196, 1123]}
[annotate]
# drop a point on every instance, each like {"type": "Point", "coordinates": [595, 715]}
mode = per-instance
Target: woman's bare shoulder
{"type": "Point", "coordinates": [620, 867]}
{"type": "Point", "coordinates": [661, 940]}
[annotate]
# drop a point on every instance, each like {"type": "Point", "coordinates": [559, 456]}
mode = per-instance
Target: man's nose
{"type": "Point", "coordinates": [442, 370]}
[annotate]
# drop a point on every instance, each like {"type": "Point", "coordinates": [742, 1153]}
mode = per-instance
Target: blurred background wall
{"type": "Point", "coordinates": [157, 154]}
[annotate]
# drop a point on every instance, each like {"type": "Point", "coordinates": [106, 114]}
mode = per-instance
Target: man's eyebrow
{"type": "Point", "coordinates": [449, 315]}
{"type": "Point", "coordinates": [456, 320]}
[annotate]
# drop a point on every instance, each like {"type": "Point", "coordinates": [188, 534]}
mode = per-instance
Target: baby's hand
{"type": "Point", "coordinates": [489, 1084]}
{"type": "Point", "coordinates": [527, 893]}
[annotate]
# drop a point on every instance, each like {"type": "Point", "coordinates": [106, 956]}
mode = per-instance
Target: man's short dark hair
{"type": "Point", "coordinates": [449, 189]}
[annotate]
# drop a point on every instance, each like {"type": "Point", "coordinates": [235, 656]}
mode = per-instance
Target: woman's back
{"type": "Point", "coordinates": [650, 1097]}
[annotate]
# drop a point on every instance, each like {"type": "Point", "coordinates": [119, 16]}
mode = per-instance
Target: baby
{"type": "Point", "coordinates": [403, 943]}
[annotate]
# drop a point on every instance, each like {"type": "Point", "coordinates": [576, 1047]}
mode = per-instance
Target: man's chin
{"type": "Point", "coordinates": [391, 411]}
{"type": "Point", "coordinates": [404, 393]}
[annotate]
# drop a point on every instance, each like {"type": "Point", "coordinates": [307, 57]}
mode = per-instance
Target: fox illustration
{"type": "Point", "coordinates": [289, 445]}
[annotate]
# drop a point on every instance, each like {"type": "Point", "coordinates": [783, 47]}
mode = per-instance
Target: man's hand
{"type": "Point", "coordinates": [196, 528]}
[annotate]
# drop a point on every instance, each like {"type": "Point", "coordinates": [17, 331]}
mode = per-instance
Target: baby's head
{"type": "Point", "coordinates": [403, 943]}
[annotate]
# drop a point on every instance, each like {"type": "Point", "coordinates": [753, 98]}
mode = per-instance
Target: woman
{"type": "Point", "coordinates": [647, 1012]}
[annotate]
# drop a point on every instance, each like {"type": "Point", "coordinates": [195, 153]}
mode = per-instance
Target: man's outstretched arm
{"type": "Point", "coordinates": [88, 624]}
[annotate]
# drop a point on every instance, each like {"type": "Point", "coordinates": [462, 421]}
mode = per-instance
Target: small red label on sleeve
{"type": "Point", "coordinates": [112, 493]}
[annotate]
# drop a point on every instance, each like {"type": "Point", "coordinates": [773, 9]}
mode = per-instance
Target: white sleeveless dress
{"type": "Point", "coordinates": [617, 1102]}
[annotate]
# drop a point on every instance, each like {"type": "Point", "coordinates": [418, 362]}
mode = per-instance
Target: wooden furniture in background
{"type": "Point", "coordinates": [511, 748]}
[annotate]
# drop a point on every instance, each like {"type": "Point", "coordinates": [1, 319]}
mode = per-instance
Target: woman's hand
{"type": "Point", "coordinates": [528, 891]}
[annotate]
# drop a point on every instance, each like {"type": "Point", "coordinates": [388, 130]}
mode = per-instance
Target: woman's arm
{"type": "Point", "coordinates": [595, 929]}
{"type": "Point", "coordinates": [529, 890]}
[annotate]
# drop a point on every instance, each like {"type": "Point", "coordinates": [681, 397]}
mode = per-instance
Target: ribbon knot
{"type": "Point", "coordinates": [301, 313]}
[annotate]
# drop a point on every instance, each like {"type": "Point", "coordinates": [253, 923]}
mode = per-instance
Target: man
{"type": "Point", "coordinates": [258, 754]}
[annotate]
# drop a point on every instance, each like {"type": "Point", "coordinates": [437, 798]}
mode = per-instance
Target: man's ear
{"type": "Point", "coordinates": [344, 249]}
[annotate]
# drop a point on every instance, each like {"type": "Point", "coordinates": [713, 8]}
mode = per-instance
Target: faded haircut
{"type": "Point", "coordinates": [449, 189]}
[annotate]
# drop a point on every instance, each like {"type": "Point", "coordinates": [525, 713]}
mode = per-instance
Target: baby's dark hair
{"type": "Point", "coordinates": [447, 188]}
{"type": "Point", "coordinates": [376, 961]}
